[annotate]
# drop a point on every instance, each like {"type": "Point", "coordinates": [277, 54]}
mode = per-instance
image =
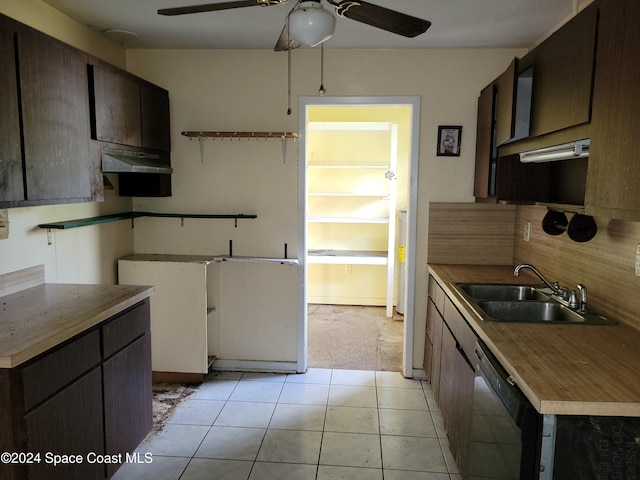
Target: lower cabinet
{"type": "Point", "coordinates": [456, 397]}
{"type": "Point", "coordinates": [70, 423]}
{"type": "Point", "coordinates": [449, 346]}
{"type": "Point", "coordinates": [86, 403]}
{"type": "Point", "coordinates": [433, 346]}
{"type": "Point", "coordinates": [128, 415]}
{"type": "Point", "coordinates": [181, 309]}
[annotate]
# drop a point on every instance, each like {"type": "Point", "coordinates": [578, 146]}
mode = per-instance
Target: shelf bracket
{"type": "Point", "coordinates": [284, 149]}
{"type": "Point", "coordinates": [201, 140]}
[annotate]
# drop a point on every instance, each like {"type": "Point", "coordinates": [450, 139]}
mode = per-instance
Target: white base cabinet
{"type": "Point", "coordinates": [258, 316]}
{"type": "Point", "coordinates": [239, 311]}
{"type": "Point", "coordinates": [184, 298]}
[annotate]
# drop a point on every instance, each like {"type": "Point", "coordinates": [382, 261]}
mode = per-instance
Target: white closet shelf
{"type": "Point", "coordinates": [347, 257]}
{"type": "Point", "coordinates": [353, 167]}
{"type": "Point", "coordinates": [349, 194]}
{"type": "Point", "coordinates": [381, 221]}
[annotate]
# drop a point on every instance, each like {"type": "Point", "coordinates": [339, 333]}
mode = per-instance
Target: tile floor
{"type": "Point", "coordinates": [325, 424]}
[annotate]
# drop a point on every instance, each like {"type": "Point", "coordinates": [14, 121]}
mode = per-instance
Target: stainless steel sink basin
{"type": "Point", "coordinates": [529, 312]}
{"type": "Point", "coordinates": [523, 304]}
{"type": "Point", "coordinates": [501, 291]}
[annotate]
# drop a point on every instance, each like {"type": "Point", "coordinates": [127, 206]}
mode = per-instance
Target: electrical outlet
{"type": "Point", "coordinates": [4, 224]}
{"type": "Point", "coordinates": [347, 269]}
{"type": "Point", "coordinates": [638, 261]}
{"type": "Point", "coordinates": [526, 231]}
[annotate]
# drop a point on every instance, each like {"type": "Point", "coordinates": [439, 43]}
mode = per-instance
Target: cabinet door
{"type": "Point", "coordinates": [456, 397]}
{"type": "Point", "coordinates": [127, 398]}
{"type": "Point", "coordinates": [72, 422]}
{"type": "Point", "coordinates": [427, 357]}
{"type": "Point", "coordinates": [563, 75]}
{"type": "Point", "coordinates": [116, 106]}
{"type": "Point", "coordinates": [11, 178]}
{"type": "Point", "coordinates": [483, 185]}
{"type": "Point", "coordinates": [505, 104]}
{"type": "Point", "coordinates": [612, 180]}
{"type": "Point", "coordinates": [435, 328]}
{"type": "Point", "coordinates": [55, 120]}
{"type": "Point", "coordinates": [154, 111]}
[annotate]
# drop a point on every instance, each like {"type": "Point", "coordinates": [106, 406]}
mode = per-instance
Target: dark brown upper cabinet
{"type": "Point", "coordinates": [614, 169]}
{"type": "Point", "coordinates": [505, 104]}
{"type": "Point", "coordinates": [497, 125]}
{"type": "Point", "coordinates": [11, 173]}
{"type": "Point", "coordinates": [154, 112]}
{"type": "Point", "coordinates": [127, 110]}
{"type": "Point", "coordinates": [563, 69]}
{"type": "Point", "coordinates": [115, 113]}
{"type": "Point", "coordinates": [46, 120]}
{"type": "Point", "coordinates": [484, 181]}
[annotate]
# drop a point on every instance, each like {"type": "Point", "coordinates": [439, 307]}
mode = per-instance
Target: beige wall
{"type": "Point", "coordinates": [247, 90]}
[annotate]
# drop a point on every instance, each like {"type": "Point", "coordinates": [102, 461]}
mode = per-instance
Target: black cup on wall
{"type": "Point", "coordinates": [582, 228]}
{"type": "Point", "coordinates": [554, 222]}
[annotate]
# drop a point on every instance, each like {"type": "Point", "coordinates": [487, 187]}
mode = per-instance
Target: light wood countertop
{"type": "Point", "coordinates": [562, 369]}
{"type": "Point", "coordinates": [36, 319]}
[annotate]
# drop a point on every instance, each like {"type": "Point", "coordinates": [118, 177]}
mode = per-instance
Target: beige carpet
{"type": "Point", "coordinates": [354, 337]}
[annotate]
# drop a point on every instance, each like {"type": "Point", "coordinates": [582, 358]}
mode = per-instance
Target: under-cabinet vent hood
{"type": "Point", "coordinates": [127, 161]}
{"type": "Point", "coordinates": [567, 151]}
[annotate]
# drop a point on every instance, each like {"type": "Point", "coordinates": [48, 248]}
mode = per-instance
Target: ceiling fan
{"type": "Point", "coordinates": [310, 24]}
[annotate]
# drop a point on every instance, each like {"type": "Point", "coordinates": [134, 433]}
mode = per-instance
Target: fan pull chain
{"type": "Point", "coordinates": [289, 81]}
{"type": "Point", "coordinates": [322, 91]}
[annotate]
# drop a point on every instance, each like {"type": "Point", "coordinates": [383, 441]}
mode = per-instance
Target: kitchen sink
{"type": "Point", "coordinates": [529, 312]}
{"type": "Point", "coordinates": [510, 303]}
{"type": "Point", "coordinates": [501, 291]}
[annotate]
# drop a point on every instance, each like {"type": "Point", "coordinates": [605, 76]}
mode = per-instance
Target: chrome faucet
{"type": "Point", "coordinates": [553, 286]}
{"type": "Point", "coordinates": [583, 298]}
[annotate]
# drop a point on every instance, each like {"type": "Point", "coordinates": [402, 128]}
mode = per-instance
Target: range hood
{"type": "Point", "coordinates": [567, 151]}
{"type": "Point", "coordinates": [128, 161]}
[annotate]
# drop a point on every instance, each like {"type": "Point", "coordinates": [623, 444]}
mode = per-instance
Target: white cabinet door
{"type": "Point", "coordinates": [178, 312]}
{"type": "Point", "coordinates": [258, 311]}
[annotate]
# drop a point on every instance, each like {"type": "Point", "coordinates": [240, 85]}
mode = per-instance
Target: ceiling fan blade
{"type": "Point", "coordinates": [380, 17]}
{"type": "Point", "coordinates": [211, 7]}
{"type": "Point", "coordinates": [282, 45]}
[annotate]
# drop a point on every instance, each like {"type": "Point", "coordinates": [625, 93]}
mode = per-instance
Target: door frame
{"type": "Point", "coordinates": [410, 250]}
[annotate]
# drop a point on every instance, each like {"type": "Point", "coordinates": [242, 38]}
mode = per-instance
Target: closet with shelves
{"type": "Point", "coordinates": [351, 198]}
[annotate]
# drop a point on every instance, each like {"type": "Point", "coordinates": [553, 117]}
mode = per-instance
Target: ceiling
{"type": "Point", "coordinates": [455, 24]}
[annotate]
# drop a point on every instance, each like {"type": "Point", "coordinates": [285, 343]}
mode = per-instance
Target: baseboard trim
{"type": "Point", "coordinates": [176, 377]}
{"type": "Point", "coordinates": [253, 366]}
{"type": "Point", "coordinates": [419, 374]}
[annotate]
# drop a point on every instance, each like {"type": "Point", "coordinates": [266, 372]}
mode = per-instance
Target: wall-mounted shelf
{"type": "Point", "coordinates": [116, 217]}
{"type": "Point", "coordinates": [202, 136]}
{"type": "Point", "coordinates": [240, 134]}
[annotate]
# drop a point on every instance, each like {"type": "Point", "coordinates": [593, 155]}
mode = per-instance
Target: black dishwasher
{"type": "Point", "coordinates": [505, 427]}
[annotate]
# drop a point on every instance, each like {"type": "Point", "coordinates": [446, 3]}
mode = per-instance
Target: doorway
{"type": "Point", "coordinates": [391, 123]}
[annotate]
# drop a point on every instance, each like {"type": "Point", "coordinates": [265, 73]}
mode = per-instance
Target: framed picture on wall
{"type": "Point", "coordinates": [449, 137]}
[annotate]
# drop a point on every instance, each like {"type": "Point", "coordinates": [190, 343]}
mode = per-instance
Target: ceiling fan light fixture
{"type": "Point", "coordinates": [310, 24]}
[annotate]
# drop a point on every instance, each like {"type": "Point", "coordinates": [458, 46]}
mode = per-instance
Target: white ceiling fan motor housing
{"type": "Point", "coordinates": [310, 24]}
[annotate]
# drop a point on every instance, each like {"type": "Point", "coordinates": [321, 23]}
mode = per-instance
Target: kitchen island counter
{"type": "Point", "coordinates": [562, 369]}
